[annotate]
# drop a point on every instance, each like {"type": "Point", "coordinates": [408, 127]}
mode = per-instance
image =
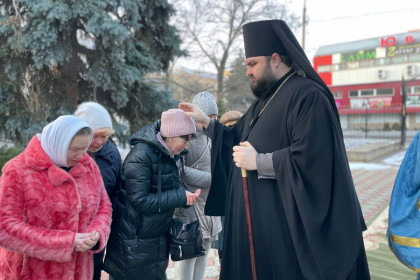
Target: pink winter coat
{"type": "Point", "coordinates": [41, 208]}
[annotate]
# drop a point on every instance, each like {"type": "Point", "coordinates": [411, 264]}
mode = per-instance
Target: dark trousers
{"type": "Point", "coordinates": [98, 261]}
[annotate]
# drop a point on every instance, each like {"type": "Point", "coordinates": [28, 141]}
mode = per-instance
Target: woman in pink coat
{"type": "Point", "coordinates": [54, 210]}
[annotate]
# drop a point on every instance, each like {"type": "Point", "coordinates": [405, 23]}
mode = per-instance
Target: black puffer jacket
{"type": "Point", "coordinates": [108, 160]}
{"type": "Point", "coordinates": [138, 247]}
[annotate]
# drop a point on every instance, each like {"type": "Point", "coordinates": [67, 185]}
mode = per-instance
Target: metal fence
{"type": "Point", "coordinates": [379, 123]}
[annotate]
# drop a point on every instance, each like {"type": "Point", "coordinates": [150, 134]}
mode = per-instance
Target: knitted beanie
{"type": "Point", "coordinates": [94, 114]}
{"type": "Point", "coordinates": [175, 122]}
{"type": "Point", "coordinates": [205, 101]}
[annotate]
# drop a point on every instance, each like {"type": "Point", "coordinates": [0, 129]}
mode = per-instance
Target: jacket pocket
{"type": "Point", "coordinates": [142, 254]}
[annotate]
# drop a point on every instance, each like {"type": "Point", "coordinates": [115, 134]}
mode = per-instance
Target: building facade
{"type": "Point", "coordinates": [366, 78]}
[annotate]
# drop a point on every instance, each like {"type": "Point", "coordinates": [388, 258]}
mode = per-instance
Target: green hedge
{"type": "Point", "coordinates": [7, 153]}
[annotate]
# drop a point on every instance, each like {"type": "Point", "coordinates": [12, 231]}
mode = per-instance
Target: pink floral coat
{"type": "Point", "coordinates": [41, 208]}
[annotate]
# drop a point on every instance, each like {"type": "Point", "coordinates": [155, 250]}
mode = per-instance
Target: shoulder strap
{"type": "Point", "coordinates": [182, 176]}
{"type": "Point", "coordinates": [204, 151]}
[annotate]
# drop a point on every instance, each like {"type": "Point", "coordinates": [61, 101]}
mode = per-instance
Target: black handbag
{"type": "Point", "coordinates": [186, 240]}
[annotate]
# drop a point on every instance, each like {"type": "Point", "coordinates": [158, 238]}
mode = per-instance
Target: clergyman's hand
{"type": "Point", "coordinates": [193, 111]}
{"type": "Point", "coordinates": [245, 156]}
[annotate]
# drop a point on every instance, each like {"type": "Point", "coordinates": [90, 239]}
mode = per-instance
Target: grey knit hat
{"type": "Point", "coordinates": [205, 101]}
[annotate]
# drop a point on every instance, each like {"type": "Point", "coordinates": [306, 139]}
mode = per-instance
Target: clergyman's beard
{"type": "Point", "coordinates": [262, 86]}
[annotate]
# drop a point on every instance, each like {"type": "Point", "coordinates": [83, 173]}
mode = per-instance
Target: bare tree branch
{"type": "Point", "coordinates": [213, 28]}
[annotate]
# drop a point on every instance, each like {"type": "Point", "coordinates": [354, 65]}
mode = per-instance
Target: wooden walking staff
{"type": "Point", "coordinates": [249, 224]}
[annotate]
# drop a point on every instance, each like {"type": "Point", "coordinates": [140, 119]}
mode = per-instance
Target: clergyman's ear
{"type": "Point", "coordinates": [275, 59]}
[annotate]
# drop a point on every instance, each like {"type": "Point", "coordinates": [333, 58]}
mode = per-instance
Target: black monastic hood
{"type": "Point", "coordinates": [263, 38]}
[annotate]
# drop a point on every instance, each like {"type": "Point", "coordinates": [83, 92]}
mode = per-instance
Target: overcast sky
{"type": "Point", "coordinates": [334, 21]}
{"type": "Point", "coordinates": [339, 21]}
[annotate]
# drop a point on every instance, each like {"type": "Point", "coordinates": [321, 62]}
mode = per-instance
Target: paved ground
{"type": "Point", "coordinates": [374, 189]}
{"type": "Point", "coordinates": [373, 182]}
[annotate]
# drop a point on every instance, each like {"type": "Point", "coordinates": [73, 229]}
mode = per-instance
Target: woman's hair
{"type": "Point", "coordinates": [84, 131]}
{"type": "Point", "coordinates": [188, 137]}
{"type": "Point", "coordinates": [107, 130]}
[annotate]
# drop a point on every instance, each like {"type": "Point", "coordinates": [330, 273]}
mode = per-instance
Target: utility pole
{"type": "Point", "coordinates": [303, 25]}
{"type": "Point", "coordinates": [367, 105]}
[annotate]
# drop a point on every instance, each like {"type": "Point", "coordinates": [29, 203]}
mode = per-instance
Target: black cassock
{"type": "Point", "coordinates": [307, 223]}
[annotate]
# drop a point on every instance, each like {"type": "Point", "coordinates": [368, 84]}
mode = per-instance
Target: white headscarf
{"type": "Point", "coordinates": [57, 135]}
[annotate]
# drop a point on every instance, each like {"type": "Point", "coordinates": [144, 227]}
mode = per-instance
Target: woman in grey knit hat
{"type": "Point", "coordinates": [197, 176]}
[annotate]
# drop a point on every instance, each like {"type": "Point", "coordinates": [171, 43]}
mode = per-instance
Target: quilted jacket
{"type": "Point", "coordinates": [138, 247]}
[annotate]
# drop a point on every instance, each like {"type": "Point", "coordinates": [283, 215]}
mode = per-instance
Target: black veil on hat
{"type": "Point", "coordinates": [263, 38]}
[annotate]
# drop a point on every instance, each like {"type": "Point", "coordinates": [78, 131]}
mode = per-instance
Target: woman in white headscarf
{"type": "Point", "coordinates": [54, 210]}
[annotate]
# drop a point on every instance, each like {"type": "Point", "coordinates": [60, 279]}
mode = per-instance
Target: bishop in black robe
{"type": "Point", "coordinates": [306, 219]}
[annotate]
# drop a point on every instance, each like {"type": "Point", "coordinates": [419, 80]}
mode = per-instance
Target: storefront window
{"type": "Point", "coordinates": [399, 59]}
{"type": "Point", "coordinates": [337, 94]}
{"type": "Point", "coordinates": [385, 91]}
{"type": "Point", "coordinates": [324, 68]}
{"type": "Point", "coordinates": [415, 90]}
{"type": "Point", "coordinates": [367, 92]}
{"type": "Point", "coordinates": [367, 63]}
{"type": "Point", "coordinates": [413, 101]}
{"type": "Point", "coordinates": [383, 61]}
{"type": "Point", "coordinates": [414, 57]}
{"type": "Point", "coordinates": [353, 93]}
{"type": "Point", "coordinates": [353, 65]}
